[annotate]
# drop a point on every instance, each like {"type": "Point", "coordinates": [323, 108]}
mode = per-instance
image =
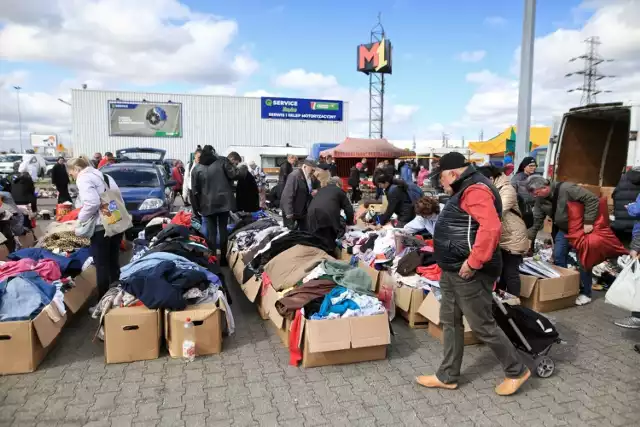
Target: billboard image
{"type": "Point", "coordinates": [145, 119]}
{"type": "Point", "coordinates": [375, 57]}
{"type": "Point", "coordinates": [44, 140]}
{"type": "Point", "coordinates": [301, 109]}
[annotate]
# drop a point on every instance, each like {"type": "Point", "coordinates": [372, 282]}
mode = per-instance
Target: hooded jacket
{"type": "Point", "coordinates": [627, 192]}
{"type": "Point", "coordinates": [519, 181]}
{"type": "Point", "coordinates": [91, 185]}
{"type": "Point", "coordinates": [211, 184]}
{"type": "Point", "coordinates": [514, 231]}
{"type": "Point", "coordinates": [568, 192]}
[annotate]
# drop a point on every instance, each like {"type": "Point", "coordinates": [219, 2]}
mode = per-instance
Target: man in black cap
{"type": "Point", "coordinates": [296, 196]}
{"type": "Point", "coordinates": [466, 239]}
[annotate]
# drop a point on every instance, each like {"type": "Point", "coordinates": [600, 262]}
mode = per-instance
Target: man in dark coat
{"type": "Point", "coordinates": [285, 170]}
{"type": "Point", "coordinates": [60, 178]}
{"type": "Point", "coordinates": [213, 195]}
{"type": "Point", "coordinates": [469, 271]}
{"type": "Point", "coordinates": [398, 200]}
{"type": "Point", "coordinates": [247, 192]}
{"type": "Point", "coordinates": [354, 182]}
{"type": "Point", "coordinates": [296, 196]}
{"type": "Point", "coordinates": [323, 216]}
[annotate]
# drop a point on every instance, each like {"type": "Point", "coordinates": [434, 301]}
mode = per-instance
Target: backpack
{"type": "Point", "coordinates": [414, 191]}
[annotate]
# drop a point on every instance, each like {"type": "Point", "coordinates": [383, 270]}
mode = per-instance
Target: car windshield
{"type": "Point", "coordinates": [10, 158]}
{"type": "Point", "coordinates": [126, 177]}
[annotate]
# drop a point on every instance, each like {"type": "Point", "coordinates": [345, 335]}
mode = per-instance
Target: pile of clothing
{"type": "Point", "coordinates": [172, 268]}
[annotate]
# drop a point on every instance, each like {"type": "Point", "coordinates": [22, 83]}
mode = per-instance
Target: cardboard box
{"type": "Point", "coordinates": [548, 225]}
{"type": "Point", "coordinates": [131, 334]}
{"type": "Point", "coordinates": [281, 324]}
{"type": "Point", "coordinates": [545, 295]}
{"type": "Point", "coordinates": [349, 340]}
{"type": "Point", "coordinates": [24, 344]}
{"type": "Point", "coordinates": [430, 309]}
{"type": "Point", "coordinates": [207, 321]}
{"type": "Point", "coordinates": [252, 287]}
{"type": "Point", "coordinates": [408, 301]}
{"type": "Point", "coordinates": [85, 286]}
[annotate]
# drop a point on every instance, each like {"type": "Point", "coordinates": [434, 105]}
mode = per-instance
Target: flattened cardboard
{"type": "Point", "coordinates": [131, 334]}
{"type": "Point", "coordinates": [408, 301]}
{"type": "Point", "coordinates": [23, 347]}
{"type": "Point", "coordinates": [545, 295]}
{"type": "Point", "coordinates": [269, 306]}
{"type": "Point", "coordinates": [349, 340]}
{"type": "Point", "coordinates": [207, 321]}
{"type": "Point", "coordinates": [89, 275]}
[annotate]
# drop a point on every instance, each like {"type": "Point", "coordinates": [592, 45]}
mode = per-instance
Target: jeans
{"type": "Point", "coordinates": [217, 224]}
{"type": "Point", "coordinates": [106, 257]}
{"type": "Point", "coordinates": [510, 277]}
{"type": "Point", "coordinates": [561, 254]}
{"type": "Point", "coordinates": [472, 298]}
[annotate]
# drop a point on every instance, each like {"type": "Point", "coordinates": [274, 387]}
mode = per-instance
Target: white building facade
{"type": "Point", "coordinates": [221, 121]}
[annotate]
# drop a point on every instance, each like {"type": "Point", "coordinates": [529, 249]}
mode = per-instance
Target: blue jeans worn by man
{"type": "Point", "coordinates": [560, 257]}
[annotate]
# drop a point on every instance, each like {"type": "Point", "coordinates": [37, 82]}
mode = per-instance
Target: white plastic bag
{"type": "Point", "coordinates": [625, 291]}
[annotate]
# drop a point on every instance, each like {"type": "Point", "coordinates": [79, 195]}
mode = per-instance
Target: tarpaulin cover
{"type": "Point", "coordinates": [600, 244]}
{"type": "Point", "coordinates": [362, 147]}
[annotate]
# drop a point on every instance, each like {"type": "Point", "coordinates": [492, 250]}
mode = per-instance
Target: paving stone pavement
{"type": "Point", "coordinates": [597, 383]}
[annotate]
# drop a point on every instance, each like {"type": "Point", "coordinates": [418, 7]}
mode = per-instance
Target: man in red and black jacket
{"type": "Point", "coordinates": [466, 239]}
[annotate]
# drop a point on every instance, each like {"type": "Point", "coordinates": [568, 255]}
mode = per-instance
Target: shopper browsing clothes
{"type": "Point", "coordinates": [354, 182]}
{"type": "Point", "coordinates": [60, 178]}
{"type": "Point", "coordinates": [471, 214]}
{"type": "Point", "coordinates": [398, 200]}
{"type": "Point", "coordinates": [186, 187]}
{"type": "Point", "coordinates": [104, 250]}
{"type": "Point", "coordinates": [323, 216]}
{"type": "Point", "coordinates": [213, 194]}
{"type": "Point", "coordinates": [296, 196]}
{"type": "Point", "coordinates": [513, 240]}
{"type": "Point", "coordinates": [551, 201]}
{"type": "Point", "coordinates": [427, 210]}
{"type": "Point", "coordinates": [525, 170]}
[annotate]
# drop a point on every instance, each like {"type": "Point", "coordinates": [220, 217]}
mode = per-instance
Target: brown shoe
{"type": "Point", "coordinates": [511, 385]}
{"type": "Point", "coordinates": [431, 381]}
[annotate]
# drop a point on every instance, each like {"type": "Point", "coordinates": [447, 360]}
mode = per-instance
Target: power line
{"type": "Point", "coordinates": [590, 73]}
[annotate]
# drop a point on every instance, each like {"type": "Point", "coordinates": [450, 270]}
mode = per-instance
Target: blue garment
{"type": "Point", "coordinates": [634, 210]}
{"type": "Point", "coordinates": [163, 285]}
{"type": "Point", "coordinates": [560, 257]}
{"type": "Point", "coordinates": [154, 258]}
{"type": "Point", "coordinates": [22, 297]}
{"type": "Point", "coordinates": [73, 262]}
{"type": "Point", "coordinates": [405, 173]}
{"type": "Point", "coordinates": [339, 308]}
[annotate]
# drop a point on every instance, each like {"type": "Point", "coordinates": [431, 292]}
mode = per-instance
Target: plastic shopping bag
{"type": "Point", "coordinates": [113, 213]}
{"type": "Point", "coordinates": [625, 291]}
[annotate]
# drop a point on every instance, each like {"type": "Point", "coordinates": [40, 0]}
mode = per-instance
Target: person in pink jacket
{"type": "Point", "coordinates": [422, 175]}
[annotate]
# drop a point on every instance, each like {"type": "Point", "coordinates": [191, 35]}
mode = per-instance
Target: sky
{"type": "Point", "coordinates": [455, 63]}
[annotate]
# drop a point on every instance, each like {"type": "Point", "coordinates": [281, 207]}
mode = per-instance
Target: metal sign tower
{"type": "Point", "coordinates": [590, 72]}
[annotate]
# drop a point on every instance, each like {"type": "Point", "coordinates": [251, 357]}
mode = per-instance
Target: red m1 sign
{"type": "Point", "coordinates": [375, 57]}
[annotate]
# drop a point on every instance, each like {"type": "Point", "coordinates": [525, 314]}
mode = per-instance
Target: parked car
{"type": "Point", "coordinates": [7, 162]}
{"type": "Point", "coordinates": [140, 175]}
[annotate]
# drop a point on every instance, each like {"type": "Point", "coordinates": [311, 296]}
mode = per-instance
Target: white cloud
{"type": "Point", "coordinates": [301, 79]}
{"type": "Point", "coordinates": [143, 41]}
{"type": "Point", "coordinates": [259, 93]}
{"type": "Point", "coordinates": [216, 90]}
{"type": "Point", "coordinates": [495, 21]}
{"type": "Point", "coordinates": [471, 56]}
{"type": "Point", "coordinates": [494, 104]}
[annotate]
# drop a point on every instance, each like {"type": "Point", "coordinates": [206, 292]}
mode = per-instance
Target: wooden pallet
{"type": "Point", "coordinates": [414, 320]}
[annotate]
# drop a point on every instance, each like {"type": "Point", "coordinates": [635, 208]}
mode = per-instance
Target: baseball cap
{"type": "Point", "coordinates": [449, 161]}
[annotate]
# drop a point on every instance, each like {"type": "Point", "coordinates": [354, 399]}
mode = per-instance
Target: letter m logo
{"type": "Point", "coordinates": [375, 57]}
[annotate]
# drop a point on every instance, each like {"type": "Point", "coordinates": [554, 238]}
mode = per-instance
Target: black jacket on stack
{"type": "Point", "coordinates": [455, 231]}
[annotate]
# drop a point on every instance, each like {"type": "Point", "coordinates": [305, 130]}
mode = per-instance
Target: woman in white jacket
{"type": "Point", "coordinates": [186, 186]}
{"type": "Point", "coordinates": [104, 250]}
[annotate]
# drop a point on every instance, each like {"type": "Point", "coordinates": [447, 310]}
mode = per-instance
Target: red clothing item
{"type": "Point", "coordinates": [182, 218]}
{"type": "Point", "coordinates": [178, 178]}
{"type": "Point", "coordinates": [103, 162]}
{"type": "Point", "coordinates": [295, 352]}
{"type": "Point", "coordinates": [478, 201]}
{"type": "Point", "coordinates": [71, 216]}
{"type": "Point", "coordinates": [431, 272]}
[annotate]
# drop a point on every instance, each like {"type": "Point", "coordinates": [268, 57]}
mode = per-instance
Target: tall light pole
{"type": "Point", "coordinates": [18, 88]}
{"type": "Point", "coordinates": [526, 80]}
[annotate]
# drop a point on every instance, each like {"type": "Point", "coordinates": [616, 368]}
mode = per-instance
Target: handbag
{"type": "Point", "coordinates": [625, 290]}
{"type": "Point", "coordinates": [113, 213]}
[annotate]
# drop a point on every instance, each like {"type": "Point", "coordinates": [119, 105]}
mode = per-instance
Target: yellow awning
{"type": "Point", "coordinates": [539, 137]}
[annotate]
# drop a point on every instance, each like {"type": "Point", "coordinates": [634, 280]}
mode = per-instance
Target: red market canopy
{"type": "Point", "coordinates": [363, 147]}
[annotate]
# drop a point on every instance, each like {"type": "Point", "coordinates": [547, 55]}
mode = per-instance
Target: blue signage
{"type": "Point", "coordinates": [301, 109]}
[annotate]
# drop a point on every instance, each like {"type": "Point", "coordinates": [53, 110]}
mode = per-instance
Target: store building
{"type": "Point", "coordinates": [112, 120]}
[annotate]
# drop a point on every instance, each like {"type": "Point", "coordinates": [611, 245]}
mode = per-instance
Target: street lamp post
{"type": "Point", "coordinates": [526, 81]}
{"type": "Point", "coordinates": [18, 88]}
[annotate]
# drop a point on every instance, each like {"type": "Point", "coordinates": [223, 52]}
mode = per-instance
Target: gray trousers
{"type": "Point", "coordinates": [471, 298]}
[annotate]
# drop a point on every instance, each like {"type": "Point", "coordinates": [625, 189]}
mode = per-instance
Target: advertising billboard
{"type": "Point", "coordinates": [145, 119]}
{"type": "Point", "coordinates": [44, 140]}
{"type": "Point", "coordinates": [301, 109]}
{"type": "Point", "coordinates": [375, 57]}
